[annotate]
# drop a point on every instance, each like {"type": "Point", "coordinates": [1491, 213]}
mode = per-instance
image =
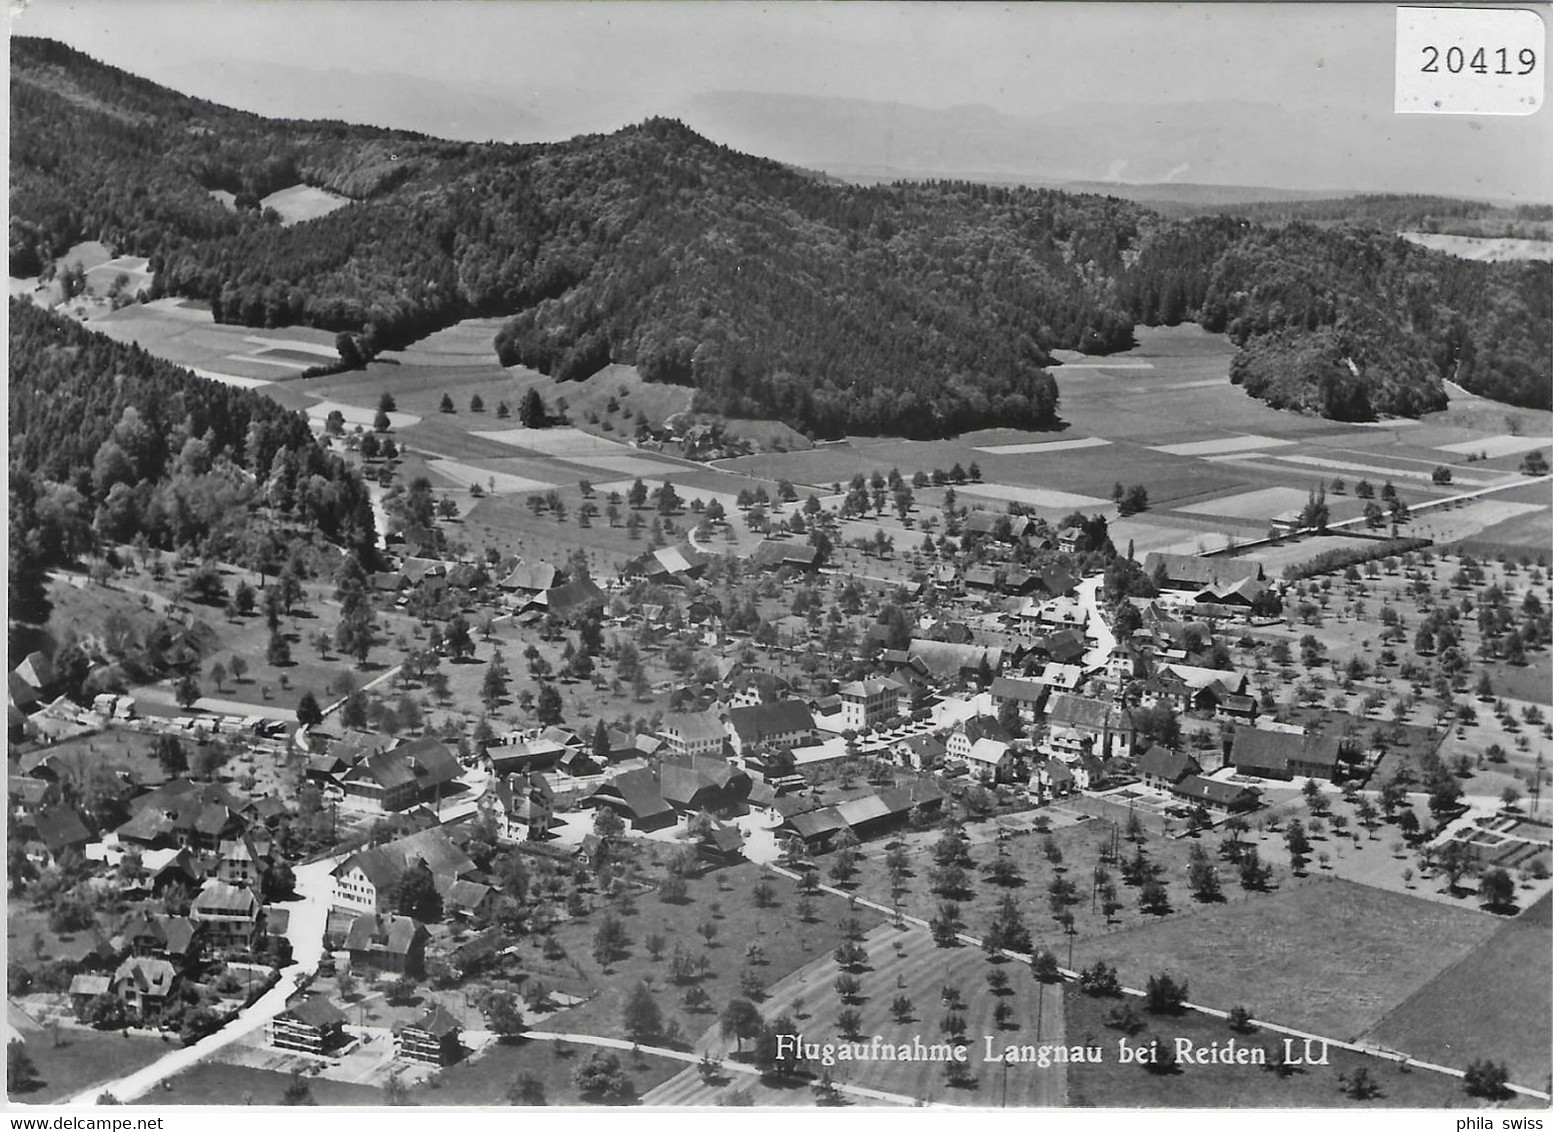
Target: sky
{"type": "Point", "coordinates": [536, 70]}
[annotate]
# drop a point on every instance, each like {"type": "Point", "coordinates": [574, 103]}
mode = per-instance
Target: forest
{"type": "Point", "coordinates": [109, 444]}
{"type": "Point", "coordinates": [919, 309]}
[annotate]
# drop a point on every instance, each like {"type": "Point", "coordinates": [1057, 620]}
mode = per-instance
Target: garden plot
{"type": "Point", "coordinates": [1260, 504]}
{"type": "Point", "coordinates": [1044, 446]}
{"type": "Point", "coordinates": [1222, 445]}
{"type": "Point", "coordinates": [1031, 496]}
{"type": "Point", "coordinates": [467, 475]}
{"type": "Point", "coordinates": [360, 414]}
{"type": "Point", "coordinates": [1503, 445]}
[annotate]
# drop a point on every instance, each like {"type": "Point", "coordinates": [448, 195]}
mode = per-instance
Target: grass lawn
{"type": "Point", "coordinates": [216, 1083]}
{"type": "Point", "coordinates": [485, 1079]}
{"type": "Point", "coordinates": [84, 1058]}
{"type": "Point", "coordinates": [1112, 1084]}
{"type": "Point", "coordinates": [1328, 956]}
{"type": "Point", "coordinates": [1494, 1002]}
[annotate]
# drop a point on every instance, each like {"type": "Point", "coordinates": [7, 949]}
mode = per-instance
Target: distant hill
{"type": "Point", "coordinates": [919, 309]}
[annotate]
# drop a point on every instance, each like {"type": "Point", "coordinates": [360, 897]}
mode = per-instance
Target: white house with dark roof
{"type": "Point", "coordinates": [868, 703]}
{"type": "Point", "coordinates": [781, 725]}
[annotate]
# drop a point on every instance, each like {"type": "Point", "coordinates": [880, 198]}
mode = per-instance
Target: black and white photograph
{"type": "Point", "coordinates": [791, 555]}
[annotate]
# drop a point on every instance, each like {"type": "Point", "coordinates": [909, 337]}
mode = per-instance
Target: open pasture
{"type": "Point", "coordinates": [1040, 447]}
{"type": "Point", "coordinates": [1032, 496]}
{"type": "Point", "coordinates": [1485, 249]}
{"type": "Point", "coordinates": [1493, 1002]}
{"type": "Point", "coordinates": [303, 202]}
{"type": "Point", "coordinates": [1330, 956]}
{"type": "Point", "coordinates": [357, 415]}
{"type": "Point", "coordinates": [1258, 505]}
{"type": "Point", "coordinates": [1502, 445]}
{"type": "Point", "coordinates": [1222, 445]}
{"type": "Point", "coordinates": [466, 475]}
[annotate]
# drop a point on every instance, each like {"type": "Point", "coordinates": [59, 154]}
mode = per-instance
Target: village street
{"type": "Point", "coordinates": [309, 915]}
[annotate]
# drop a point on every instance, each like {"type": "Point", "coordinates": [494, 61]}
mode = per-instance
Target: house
{"type": "Point", "coordinates": [84, 988]}
{"type": "Point", "coordinates": [1283, 755]}
{"type": "Point", "coordinates": [873, 814]}
{"type": "Point", "coordinates": [1237, 709]}
{"type": "Point", "coordinates": [158, 936]}
{"type": "Point", "coordinates": [365, 881]}
{"type": "Point", "coordinates": [396, 944]}
{"type": "Point", "coordinates": [694, 785]}
{"type": "Point", "coordinates": [432, 1038]}
{"type": "Point", "coordinates": [574, 598]}
{"type": "Point", "coordinates": [513, 754]}
{"type": "Point", "coordinates": [636, 796]}
{"type": "Point", "coordinates": [1163, 768]}
{"type": "Point", "coordinates": [694, 733]}
{"type": "Point", "coordinates": [1002, 527]}
{"type": "Point", "coordinates": [61, 831]}
{"type": "Point", "coordinates": [1110, 724]}
{"type": "Point", "coordinates": [670, 564]}
{"type": "Point", "coordinates": [1190, 572]}
{"type": "Point", "coordinates": [1054, 779]}
{"type": "Point", "coordinates": [1068, 744]}
{"type": "Point", "coordinates": [1070, 539]}
{"type": "Point", "coordinates": [815, 828]}
{"type": "Point", "coordinates": [1089, 773]}
{"type": "Point", "coordinates": [314, 1025]}
{"type": "Point", "coordinates": [523, 807]}
{"type": "Point", "coordinates": [1230, 797]}
{"type": "Point", "coordinates": [228, 914]}
{"type": "Point", "coordinates": [992, 760]}
{"type": "Point", "coordinates": [867, 703]}
{"type": "Point", "coordinates": [1063, 613]}
{"type": "Point", "coordinates": [948, 661]}
{"type": "Point", "coordinates": [1028, 696]}
{"type": "Point", "coordinates": [781, 725]}
{"type": "Point", "coordinates": [921, 752]}
{"type": "Point", "coordinates": [775, 554]}
{"type": "Point", "coordinates": [1191, 688]}
{"type": "Point", "coordinates": [146, 987]}
{"type": "Point", "coordinates": [972, 731]}
{"type": "Point", "coordinates": [721, 843]}
{"type": "Point", "coordinates": [982, 577]}
{"type": "Point", "coordinates": [1231, 598]}
{"type": "Point", "coordinates": [530, 578]}
{"type": "Point", "coordinates": [403, 776]}
{"type": "Point", "coordinates": [37, 671]}
{"type": "Point", "coordinates": [239, 862]}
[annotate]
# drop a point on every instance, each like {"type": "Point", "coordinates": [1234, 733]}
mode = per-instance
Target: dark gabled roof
{"type": "Point", "coordinates": [816, 823]}
{"type": "Point", "coordinates": [150, 976]}
{"type": "Point", "coordinates": [1161, 762]}
{"type": "Point", "coordinates": [979, 727]}
{"type": "Point", "coordinates": [436, 1021]}
{"type": "Point", "coordinates": [316, 1011]}
{"type": "Point", "coordinates": [1273, 750]}
{"type": "Point", "coordinates": [217, 898]}
{"type": "Point", "coordinates": [1024, 691]}
{"type": "Point", "coordinates": [639, 790]}
{"type": "Point", "coordinates": [1202, 571]}
{"type": "Point", "coordinates": [780, 552]}
{"type": "Point", "coordinates": [395, 935]}
{"type": "Point", "coordinates": [1066, 709]}
{"type": "Point", "coordinates": [531, 576]}
{"type": "Point", "coordinates": [60, 828]}
{"type": "Point", "coordinates": [946, 660]}
{"type": "Point", "coordinates": [1195, 786]}
{"type": "Point", "coordinates": [574, 596]}
{"type": "Point", "coordinates": [755, 722]}
{"type": "Point", "coordinates": [695, 725]}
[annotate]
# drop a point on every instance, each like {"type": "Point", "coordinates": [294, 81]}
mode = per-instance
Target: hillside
{"type": "Point", "coordinates": [917, 309]}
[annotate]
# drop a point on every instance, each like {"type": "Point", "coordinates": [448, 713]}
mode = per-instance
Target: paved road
{"type": "Point", "coordinates": [1098, 628]}
{"type": "Point", "coordinates": [309, 915]}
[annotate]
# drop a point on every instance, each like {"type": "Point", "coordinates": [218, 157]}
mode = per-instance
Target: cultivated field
{"type": "Point", "coordinates": [1488, 249]}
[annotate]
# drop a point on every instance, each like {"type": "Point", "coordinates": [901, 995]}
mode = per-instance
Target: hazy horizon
{"type": "Point", "coordinates": [1293, 97]}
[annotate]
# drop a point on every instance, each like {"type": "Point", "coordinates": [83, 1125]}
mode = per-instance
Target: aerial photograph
{"type": "Point", "coordinates": [690, 555]}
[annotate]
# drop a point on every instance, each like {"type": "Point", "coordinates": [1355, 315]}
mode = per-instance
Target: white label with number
{"type": "Point", "coordinates": [1470, 61]}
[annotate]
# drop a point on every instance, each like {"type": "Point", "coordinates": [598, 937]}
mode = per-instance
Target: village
{"type": "Point", "coordinates": [404, 872]}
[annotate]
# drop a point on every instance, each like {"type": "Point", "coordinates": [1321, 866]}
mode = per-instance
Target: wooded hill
{"type": "Point", "coordinates": [109, 444]}
{"type": "Point", "coordinates": [918, 309]}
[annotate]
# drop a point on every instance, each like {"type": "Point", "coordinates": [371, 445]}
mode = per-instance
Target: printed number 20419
{"type": "Point", "coordinates": [1455, 60]}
